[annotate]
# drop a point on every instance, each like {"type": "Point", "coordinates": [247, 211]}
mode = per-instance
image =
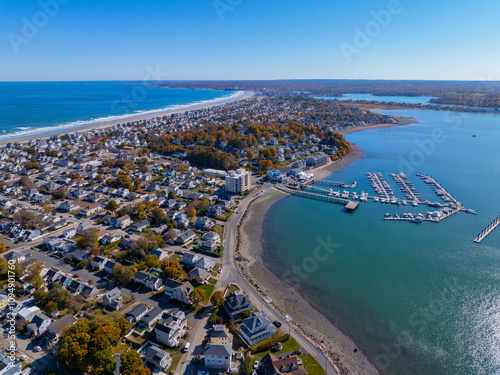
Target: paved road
{"type": "Point", "coordinates": [231, 274]}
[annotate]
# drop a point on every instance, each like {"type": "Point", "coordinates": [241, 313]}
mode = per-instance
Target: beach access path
{"type": "Point", "coordinates": [231, 274]}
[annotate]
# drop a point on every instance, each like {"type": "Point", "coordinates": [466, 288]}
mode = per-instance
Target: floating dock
{"type": "Point", "coordinates": [490, 228]}
{"type": "Point", "coordinates": [336, 184]}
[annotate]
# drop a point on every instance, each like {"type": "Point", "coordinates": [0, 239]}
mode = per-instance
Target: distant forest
{"type": "Point", "coordinates": [467, 93]}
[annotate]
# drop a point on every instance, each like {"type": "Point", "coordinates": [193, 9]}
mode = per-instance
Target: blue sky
{"type": "Point", "coordinates": [249, 39]}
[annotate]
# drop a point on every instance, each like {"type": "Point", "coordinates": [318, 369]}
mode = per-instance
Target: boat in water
{"type": "Point", "coordinates": [416, 220]}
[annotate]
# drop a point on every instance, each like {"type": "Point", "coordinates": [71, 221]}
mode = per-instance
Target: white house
{"type": "Point", "coordinates": [171, 327]}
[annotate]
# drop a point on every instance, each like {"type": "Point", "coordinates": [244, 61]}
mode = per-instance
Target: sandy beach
{"type": "Point", "coordinates": [401, 121]}
{"type": "Point", "coordinates": [106, 124]}
{"type": "Point", "coordinates": [340, 347]}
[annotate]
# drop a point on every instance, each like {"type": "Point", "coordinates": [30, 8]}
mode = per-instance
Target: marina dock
{"type": "Point", "coordinates": [380, 185]}
{"type": "Point", "coordinates": [336, 184]}
{"type": "Point", "coordinates": [439, 190]}
{"type": "Point", "coordinates": [490, 228]}
{"type": "Point", "coordinates": [407, 187]}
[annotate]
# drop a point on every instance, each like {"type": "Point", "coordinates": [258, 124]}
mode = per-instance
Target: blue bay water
{"type": "Point", "coordinates": [387, 98]}
{"type": "Point", "coordinates": [32, 108]}
{"type": "Point", "coordinates": [418, 298]}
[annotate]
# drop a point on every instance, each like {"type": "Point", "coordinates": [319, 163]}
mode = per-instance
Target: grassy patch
{"type": "Point", "coordinates": [176, 359]}
{"type": "Point", "coordinates": [219, 229]}
{"type": "Point", "coordinates": [311, 365]}
{"type": "Point", "coordinates": [232, 288]}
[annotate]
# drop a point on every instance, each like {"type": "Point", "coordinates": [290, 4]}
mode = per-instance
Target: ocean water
{"type": "Point", "coordinates": [418, 298]}
{"type": "Point", "coordinates": [34, 108]}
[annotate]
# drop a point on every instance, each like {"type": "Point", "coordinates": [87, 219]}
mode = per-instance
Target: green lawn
{"type": "Point", "coordinates": [232, 288]}
{"type": "Point", "coordinates": [288, 346]}
{"type": "Point", "coordinates": [209, 289]}
{"type": "Point", "coordinates": [311, 365]}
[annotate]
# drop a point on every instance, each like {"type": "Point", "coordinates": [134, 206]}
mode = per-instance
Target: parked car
{"type": "Point", "coordinates": [186, 347]}
{"type": "Point", "coordinates": [277, 324]}
{"type": "Point", "coordinates": [38, 348]}
{"type": "Point", "coordinates": [24, 357]}
{"type": "Point", "coordinates": [255, 364]}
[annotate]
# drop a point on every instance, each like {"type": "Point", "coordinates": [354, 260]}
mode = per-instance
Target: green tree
{"type": "Point", "coordinates": [122, 275]}
{"type": "Point", "coordinates": [171, 195]}
{"type": "Point", "coordinates": [151, 261]}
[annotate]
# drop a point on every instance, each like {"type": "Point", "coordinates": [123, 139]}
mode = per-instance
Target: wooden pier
{"type": "Point", "coordinates": [350, 205]}
{"type": "Point", "coordinates": [490, 228]}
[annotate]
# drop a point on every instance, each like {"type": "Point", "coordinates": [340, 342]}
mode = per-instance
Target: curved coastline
{"type": "Point", "coordinates": [343, 350]}
{"type": "Point", "coordinates": [102, 123]}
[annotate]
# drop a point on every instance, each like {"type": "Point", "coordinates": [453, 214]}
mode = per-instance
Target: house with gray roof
{"type": "Point", "coordinates": [136, 313]}
{"type": "Point", "coordinates": [158, 357]}
{"type": "Point", "coordinates": [112, 300]}
{"type": "Point", "coordinates": [38, 324]}
{"type": "Point", "coordinates": [256, 328]}
{"type": "Point", "coordinates": [151, 317]}
{"type": "Point", "coordinates": [236, 303]}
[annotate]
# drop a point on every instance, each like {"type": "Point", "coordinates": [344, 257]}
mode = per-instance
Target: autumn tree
{"type": "Point", "coordinates": [89, 238]}
{"type": "Point", "coordinates": [171, 235]}
{"type": "Point", "coordinates": [26, 182]}
{"type": "Point", "coordinates": [217, 298]}
{"type": "Point", "coordinates": [265, 165]}
{"type": "Point", "coordinates": [197, 296]}
{"type": "Point", "coordinates": [171, 269]}
{"type": "Point", "coordinates": [111, 206]}
{"type": "Point", "coordinates": [3, 247]}
{"type": "Point", "coordinates": [33, 276]}
{"type": "Point", "coordinates": [159, 216]}
{"type": "Point", "coordinates": [124, 325]}
{"type": "Point", "coordinates": [131, 364]}
{"type": "Point", "coordinates": [190, 211]}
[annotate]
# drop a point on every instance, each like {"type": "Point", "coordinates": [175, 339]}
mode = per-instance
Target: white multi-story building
{"type": "Point", "coordinates": [238, 181]}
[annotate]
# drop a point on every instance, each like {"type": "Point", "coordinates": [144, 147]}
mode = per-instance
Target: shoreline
{"type": "Point", "coordinates": [342, 349]}
{"type": "Point", "coordinates": [401, 121]}
{"type": "Point", "coordinates": [107, 124]}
